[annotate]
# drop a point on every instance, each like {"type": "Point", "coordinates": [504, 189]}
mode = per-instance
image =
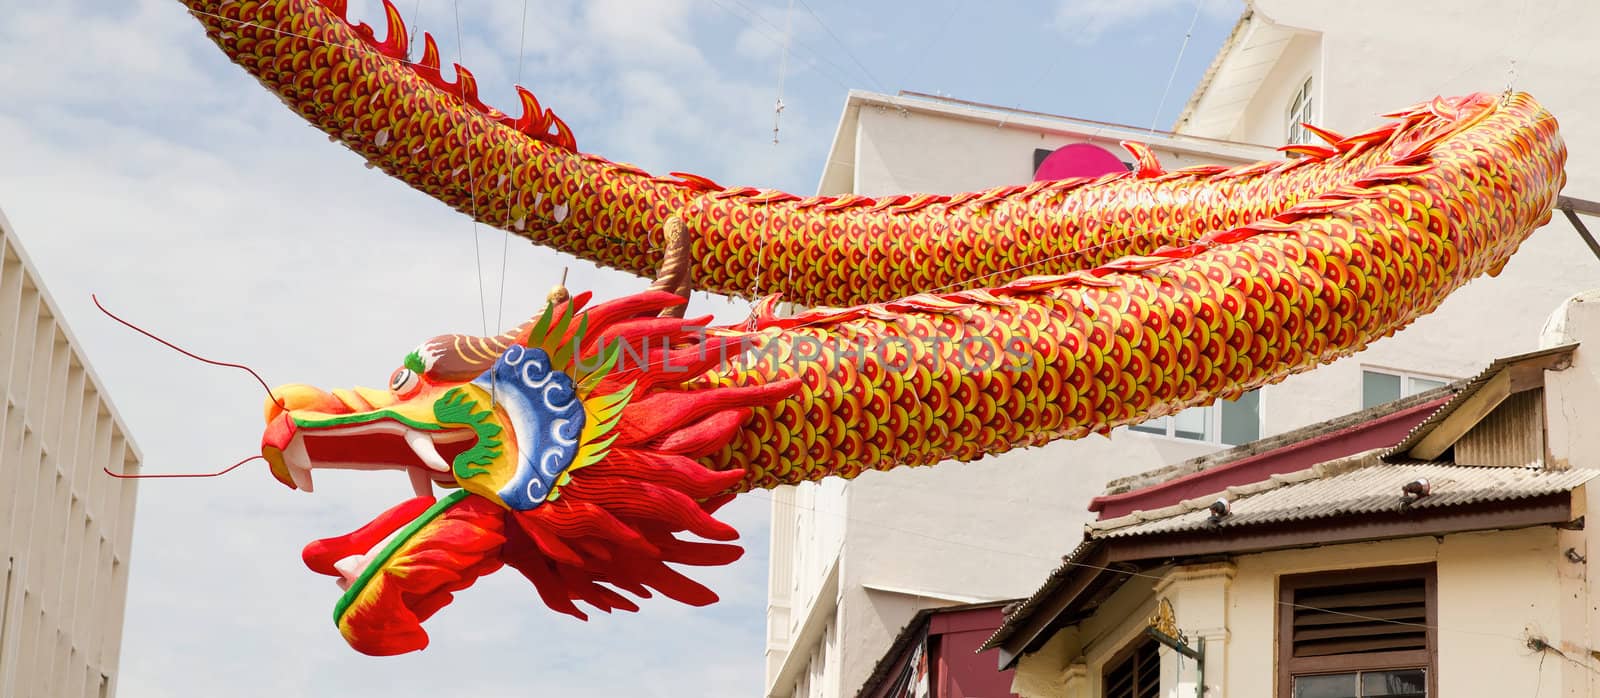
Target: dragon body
{"type": "Point", "coordinates": [588, 446]}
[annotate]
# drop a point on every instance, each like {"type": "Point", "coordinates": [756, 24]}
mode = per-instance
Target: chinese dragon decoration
{"type": "Point", "coordinates": [589, 448]}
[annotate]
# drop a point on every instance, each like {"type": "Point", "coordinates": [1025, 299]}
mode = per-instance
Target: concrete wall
{"type": "Point", "coordinates": [65, 527]}
{"type": "Point", "coordinates": [1570, 434]}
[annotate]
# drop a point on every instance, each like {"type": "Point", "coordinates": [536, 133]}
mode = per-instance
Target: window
{"type": "Point", "coordinates": [1379, 386]}
{"type": "Point", "coordinates": [1134, 673]}
{"type": "Point", "coordinates": [1300, 112]}
{"type": "Point", "coordinates": [1358, 633]}
{"type": "Point", "coordinates": [1227, 422]}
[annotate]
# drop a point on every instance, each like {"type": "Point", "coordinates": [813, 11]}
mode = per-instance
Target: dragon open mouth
{"type": "Point", "coordinates": [296, 446]}
{"type": "Point", "coordinates": [547, 472]}
{"type": "Point", "coordinates": [405, 563]}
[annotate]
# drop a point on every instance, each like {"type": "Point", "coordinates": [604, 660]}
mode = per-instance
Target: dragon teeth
{"type": "Point", "coordinates": [351, 566]}
{"type": "Point", "coordinates": [423, 446]}
{"type": "Point", "coordinates": [298, 463]}
{"type": "Point", "coordinates": [421, 483]}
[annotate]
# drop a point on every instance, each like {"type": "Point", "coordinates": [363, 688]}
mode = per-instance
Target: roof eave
{"type": "Point", "coordinates": [1200, 89]}
{"type": "Point", "coordinates": [1111, 559]}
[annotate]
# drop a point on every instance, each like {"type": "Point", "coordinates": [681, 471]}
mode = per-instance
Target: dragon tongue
{"type": "Point", "coordinates": [324, 556]}
{"type": "Point", "coordinates": [425, 450]}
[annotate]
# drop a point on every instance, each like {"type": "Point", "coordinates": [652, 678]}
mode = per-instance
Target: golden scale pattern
{"type": "Point", "coordinates": [525, 175]}
{"type": "Point", "coordinates": [1154, 290]}
{"type": "Point", "coordinates": [962, 375]}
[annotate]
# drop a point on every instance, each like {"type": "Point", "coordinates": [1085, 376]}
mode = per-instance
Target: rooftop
{"type": "Point", "coordinates": [1358, 495]}
{"type": "Point", "coordinates": [838, 177]}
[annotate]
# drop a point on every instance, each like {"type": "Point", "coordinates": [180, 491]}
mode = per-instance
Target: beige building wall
{"type": "Point", "coordinates": [67, 526]}
{"type": "Point", "coordinates": [853, 561]}
{"type": "Point", "coordinates": [1495, 590]}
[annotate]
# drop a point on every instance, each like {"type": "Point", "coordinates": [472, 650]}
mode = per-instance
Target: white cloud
{"type": "Point", "coordinates": [140, 165]}
{"type": "Point", "coordinates": [1085, 20]}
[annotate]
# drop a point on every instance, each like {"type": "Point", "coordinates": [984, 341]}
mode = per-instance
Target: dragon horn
{"type": "Point", "coordinates": [463, 357]}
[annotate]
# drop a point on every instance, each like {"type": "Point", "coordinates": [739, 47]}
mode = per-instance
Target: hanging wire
{"type": "Point", "coordinates": [1176, 63]}
{"type": "Point", "coordinates": [416, 23]}
{"type": "Point", "coordinates": [750, 17]}
{"type": "Point", "coordinates": [505, 240]}
{"type": "Point", "coordinates": [876, 524]}
{"type": "Point", "coordinates": [949, 13]}
{"type": "Point", "coordinates": [472, 179]}
{"type": "Point", "coordinates": [783, 70]}
{"type": "Point", "coordinates": [847, 52]}
{"type": "Point", "coordinates": [1033, 87]}
{"type": "Point", "coordinates": [500, 316]}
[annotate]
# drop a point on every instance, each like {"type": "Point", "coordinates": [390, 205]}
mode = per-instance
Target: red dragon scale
{"type": "Point", "coordinates": [438, 137]}
{"type": "Point", "coordinates": [590, 448]}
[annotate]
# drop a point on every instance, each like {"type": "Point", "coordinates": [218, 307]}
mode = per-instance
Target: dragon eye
{"type": "Point", "coordinates": [404, 382]}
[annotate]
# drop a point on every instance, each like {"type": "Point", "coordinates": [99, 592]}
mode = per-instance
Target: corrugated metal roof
{"type": "Point", "coordinates": [1021, 609]}
{"type": "Point", "coordinates": [1363, 483]}
{"type": "Point", "coordinates": [1359, 484]}
{"type": "Point", "coordinates": [1341, 488]}
{"type": "Point", "coordinates": [1466, 390]}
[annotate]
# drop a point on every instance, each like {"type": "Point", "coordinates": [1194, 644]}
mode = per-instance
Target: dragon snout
{"type": "Point", "coordinates": [298, 397]}
{"type": "Point", "coordinates": [278, 444]}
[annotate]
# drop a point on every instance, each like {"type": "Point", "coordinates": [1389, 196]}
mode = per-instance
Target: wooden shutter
{"type": "Point", "coordinates": [1138, 675]}
{"type": "Point", "coordinates": [1380, 616]}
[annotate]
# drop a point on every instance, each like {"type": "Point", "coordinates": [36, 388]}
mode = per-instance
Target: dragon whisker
{"type": "Point", "coordinates": [188, 353]}
{"type": "Point", "coordinates": [149, 476]}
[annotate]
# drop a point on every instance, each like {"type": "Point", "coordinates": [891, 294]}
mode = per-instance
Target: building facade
{"type": "Point", "coordinates": [1342, 65]}
{"type": "Point", "coordinates": [1404, 569]}
{"type": "Point", "coordinates": [853, 562]}
{"type": "Point", "coordinates": [67, 525]}
{"type": "Point", "coordinates": [936, 656]}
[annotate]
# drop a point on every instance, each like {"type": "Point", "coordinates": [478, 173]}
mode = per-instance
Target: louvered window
{"type": "Point", "coordinates": [1357, 633]}
{"type": "Point", "coordinates": [1136, 674]}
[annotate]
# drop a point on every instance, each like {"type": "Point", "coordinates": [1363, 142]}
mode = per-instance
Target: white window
{"type": "Point", "coordinates": [1381, 385]}
{"type": "Point", "coordinates": [1300, 112]}
{"type": "Point", "coordinates": [1226, 423]}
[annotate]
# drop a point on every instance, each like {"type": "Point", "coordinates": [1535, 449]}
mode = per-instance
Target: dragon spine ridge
{"type": "Point", "coordinates": [1157, 291]}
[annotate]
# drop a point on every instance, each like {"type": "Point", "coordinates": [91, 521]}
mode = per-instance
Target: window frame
{"type": "Point", "coordinates": [1213, 421]}
{"type": "Point", "coordinates": [1127, 653]}
{"type": "Point", "coordinates": [1405, 381]}
{"type": "Point", "coordinates": [1302, 109]}
{"type": "Point", "coordinates": [1288, 666]}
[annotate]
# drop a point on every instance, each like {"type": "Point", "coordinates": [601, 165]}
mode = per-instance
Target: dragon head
{"type": "Point", "coordinates": [577, 448]}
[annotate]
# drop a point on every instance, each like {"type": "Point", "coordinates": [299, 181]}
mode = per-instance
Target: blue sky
{"type": "Point", "coordinates": [139, 164]}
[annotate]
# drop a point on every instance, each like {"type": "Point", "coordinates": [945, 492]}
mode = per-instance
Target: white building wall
{"type": "Point", "coordinates": [1266, 119]}
{"type": "Point", "coordinates": [866, 554]}
{"type": "Point", "coordinates": [65, 527]}
{"type": "Point", "coordinates": [1371, 57]}
{"type": "Point", "coordinates": [933, 536]}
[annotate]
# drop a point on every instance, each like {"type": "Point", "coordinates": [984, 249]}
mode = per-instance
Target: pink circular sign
{"type": "Point", "coordinates": [1077, 160]}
